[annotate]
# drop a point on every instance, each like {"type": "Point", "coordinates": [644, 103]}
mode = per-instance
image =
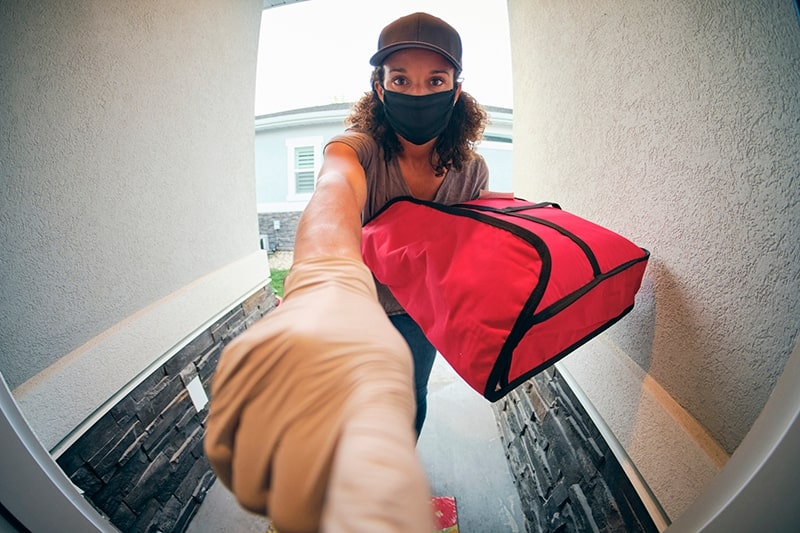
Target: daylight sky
{"type": "Point", "coordinates": [317, 52]}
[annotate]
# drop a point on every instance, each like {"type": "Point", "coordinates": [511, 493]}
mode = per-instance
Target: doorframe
{"type": "Point", "coordinates": [35, 491]}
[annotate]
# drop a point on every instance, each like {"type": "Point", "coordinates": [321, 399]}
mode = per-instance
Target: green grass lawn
{"type": "Point", "coordinates": [277, 281]}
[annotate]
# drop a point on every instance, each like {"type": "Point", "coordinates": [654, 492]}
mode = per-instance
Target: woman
{"type": "Point", "coordinates": [310, 421]}
{"type": "Point", "coordinates": [412, 135]}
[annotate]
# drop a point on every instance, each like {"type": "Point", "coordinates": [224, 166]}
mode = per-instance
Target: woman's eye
{"type": "Point", "coordinates": [399, 81]}
{"type": "Point", "coordinates": [437, 82]}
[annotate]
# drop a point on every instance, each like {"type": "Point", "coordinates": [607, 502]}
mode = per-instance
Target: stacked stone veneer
{"type": "Point", "coordinates": [283, 238]}
{"type": "Point", "coordinates": [566, 475]}
{"type": "Point", "coordinates": [142, 464]}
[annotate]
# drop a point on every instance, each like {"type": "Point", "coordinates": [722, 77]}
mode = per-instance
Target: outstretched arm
{"type": "Point", "coordinates": [331, 223]}
{"type": "Point", "coordinates": [311, 420]}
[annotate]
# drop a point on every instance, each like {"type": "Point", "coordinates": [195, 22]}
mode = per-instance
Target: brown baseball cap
{"type": "Point", "coordinates": [419, 30]}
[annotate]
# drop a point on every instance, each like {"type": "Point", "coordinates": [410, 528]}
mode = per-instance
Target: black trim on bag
{"type": "Point", "coordinates": [564, 302]}
{"type": "Point", "coordinates": [511, 208]}
{"type": "Point", "coordinates": [398, 199]}
{"type": "Point", "coordinates": [499, 372]}
{"type": "Point", "coordinates": [497, 384]}
{"type": "Point", "coordinates": [514, 211]}
{"type": "Point", "coordinates": [502, 364]}
{"type": "Point", "coordinates": [596, 271]}
{"type": "Point", "coordinates": [494, 393]}
{"type": "Point", "coordinates": [498, 378]}
{"type": "Point", "coordinates": [456, 208]}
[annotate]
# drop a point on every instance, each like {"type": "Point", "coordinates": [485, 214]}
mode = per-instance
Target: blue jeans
{"type": "Point", "coordinates": [423, 354]}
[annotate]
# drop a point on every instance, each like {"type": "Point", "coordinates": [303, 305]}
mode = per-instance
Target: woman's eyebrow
{"type": "Point", "coordinates": [440, 71]}
{"type": "Point", "coordinates": [433, 71]}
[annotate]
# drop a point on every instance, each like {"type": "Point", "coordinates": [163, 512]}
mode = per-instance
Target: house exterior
{"type": "Point", "coordinates": [131, 253]}
{"type": "Point", "coordinates": [288, 156]}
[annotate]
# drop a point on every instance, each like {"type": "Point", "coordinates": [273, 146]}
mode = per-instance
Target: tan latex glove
{"type": "Point", "coordinates": [312, 409]}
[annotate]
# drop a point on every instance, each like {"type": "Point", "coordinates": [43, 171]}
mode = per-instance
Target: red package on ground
{"type": "Point", "coordinates": [445, 515]}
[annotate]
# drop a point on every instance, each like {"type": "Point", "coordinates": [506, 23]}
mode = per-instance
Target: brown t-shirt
{"type": "Point", "coordinates": [385, 182]}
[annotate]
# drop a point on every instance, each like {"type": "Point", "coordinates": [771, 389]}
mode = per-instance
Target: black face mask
{"type": "Point", "coordinates": [418, 119]}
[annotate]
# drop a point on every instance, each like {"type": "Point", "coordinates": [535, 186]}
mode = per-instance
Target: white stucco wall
{"type": "Point", "coordinates": [678, 125]}
{"type": "Point", "coordinates": [127, 198]}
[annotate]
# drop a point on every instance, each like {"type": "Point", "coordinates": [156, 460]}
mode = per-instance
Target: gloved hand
{"type": "Point", "coordinates": [312, 410]}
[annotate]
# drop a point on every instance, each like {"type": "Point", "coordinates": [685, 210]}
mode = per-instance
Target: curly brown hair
{"type": "Point", "coordinates": [455, 145]}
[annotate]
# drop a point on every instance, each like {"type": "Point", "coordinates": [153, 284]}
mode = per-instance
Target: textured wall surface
{"type": "Point", "coordinates": [142, 464]}
{"type": "Point", "coordinates": [677, 124]}
{"type": "Point", "coordinates": [568, 478]}
{"type": "Point", "coordinates": [126, 198]}
{"type": "Point", "coordinates": [126, 156]}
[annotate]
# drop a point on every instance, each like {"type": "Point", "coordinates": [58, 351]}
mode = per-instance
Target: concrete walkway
{"type": "Point", "coordinates": [462, 454]}
{"type": "Point", "coordinates": [461, 450]}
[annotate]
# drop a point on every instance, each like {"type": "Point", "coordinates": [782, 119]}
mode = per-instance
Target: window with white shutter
{"type": "Point", "coordinates": [304, 169]}
{"type": "Point", "coordinates": [304, 157]}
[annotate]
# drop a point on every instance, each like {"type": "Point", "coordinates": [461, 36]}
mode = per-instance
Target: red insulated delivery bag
{"type": "Point", "coordinates": [503, 288]}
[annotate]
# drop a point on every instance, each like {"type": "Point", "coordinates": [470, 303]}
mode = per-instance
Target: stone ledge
{"type": "Point", "coordinates": [567, 477]}
{"type": "Point", "coordinates": [142, 464]}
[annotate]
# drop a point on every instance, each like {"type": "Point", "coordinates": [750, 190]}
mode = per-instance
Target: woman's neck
{"type": "Point", "coordinates": [418, 173]}
{"type": "Point", "coordinates": [416, 155]}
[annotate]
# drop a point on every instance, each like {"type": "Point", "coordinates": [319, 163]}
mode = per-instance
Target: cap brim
{"type": "Point", "coordinates": [379, 56]}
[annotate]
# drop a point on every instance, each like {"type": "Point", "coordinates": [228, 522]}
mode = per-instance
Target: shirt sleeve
{"type": "Point", "coordinates": [361, 142]}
